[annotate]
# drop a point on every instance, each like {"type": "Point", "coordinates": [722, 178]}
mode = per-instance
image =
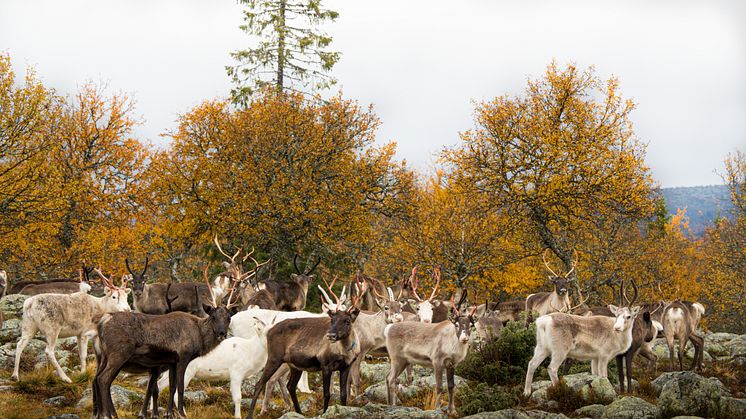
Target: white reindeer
{"type": "Point", "coordinates": [66, 315]}
{"type": "Point", "coordinates": [595, 338]}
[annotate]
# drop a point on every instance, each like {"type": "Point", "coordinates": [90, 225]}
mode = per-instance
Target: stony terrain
{"type": "Point", "coordinates": [715, 393]}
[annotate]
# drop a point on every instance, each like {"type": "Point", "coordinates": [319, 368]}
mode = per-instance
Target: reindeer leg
{"type": "Point", "coordinates": [51, 342]}
{"type": "Point", "coordinates": [628, 362]}
{"type": "Point", "coordinates": [180, 370]}
{"type": "Point", "coordinates": [103, 382]}
{"type": "Point", "coordinates": [682, 350]}
{"type": "Point", "coordinates": [327, 380]}
{"type": "Point", "coordinates": [669, 341]}
{"type": "Point", "coordinates": [171, 390]}
{"type": "Point", "coordinates": [344, 384]}
{"type": "Point", "coordinates": [152, 382]}
{"type": "Point", "coordinates": [28, 330]}
{"type": "Point", "coordinates": [451, 385]}
{"type": "Point", "coordinates": [397, 366]}
{"type": "Point", "coordinates": [293, 387]}
{"type": "Point", "coordinates": [438, 371]}
{"type": "Point", "coordinates": [83, 351]}
{"type": "Point", "coordinates": [269, 369]}
{"type": "Point", "coordinates": [620, 371]}
{"type": "Point", "coordinates": [236, 381]}
{"type": "Point", "coordinates": [699, 344]}
{"type": "Point", "coordinates": [355, 376]}
{"type": "Point", "coordinates": [555, 363]}
{"type": "Point", "coordinates": [540, 354]}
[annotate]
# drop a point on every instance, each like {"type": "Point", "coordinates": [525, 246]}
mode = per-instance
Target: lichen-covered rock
{"type": "Point", "coordinates": [630, 407]}
{"type": "Point", "coordinates": [660, 348]}
{"type": "Point", "coordinates": [500, 414]}
{"type": "Point", "coordinates": [56, 401]}
{"type": "Point", "coordinates": [344, 412]}
{"type": "Point", "coordinates": [377, 373]}
{"type": "Point", "coordinates": [378, 392]}
{"type": "Point", "coordinates": [11, 330]}
{"type": "Point", "coordinates": [592, 388]}
{"type": "Point", "coordinates": [64, 416]}
{"type": "Point", "coordinates": [12, 305]}
{"type": "Point", "coordinates": [122, 398]}
{"type": "Point", "coordinates": [593, 411]}
{"type": "Point", "coordinates": [540, 414]}
{"type": "Point", "coordinates": [198, 396]}
{"type": "Point", "coordinates": [732, 408]}
{"type": "Point", "coordinates": [381, 411]}
{"type": "Point", "coordinates": [720, 337]}
{"type": "Point", "coordinates": [737, 346]}
{"type": "Point", "coordinates": [429, 381]}
{"type": "Point", "coordinates": [292, 415]}
{"type": "Point", "coordinates": [687, 393]}
{"type": "Point", "coordinates": [34, 349]}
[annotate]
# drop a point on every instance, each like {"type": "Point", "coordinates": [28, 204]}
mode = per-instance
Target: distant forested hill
{"type": "Point", "coordinates": [703, 204]}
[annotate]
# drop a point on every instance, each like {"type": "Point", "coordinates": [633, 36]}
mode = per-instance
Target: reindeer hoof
{"type": "Point", "coordinates": [14, 377]}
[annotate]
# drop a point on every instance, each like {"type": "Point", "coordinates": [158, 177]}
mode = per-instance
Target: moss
{"type": "Point", "coordinates": [481, 397]}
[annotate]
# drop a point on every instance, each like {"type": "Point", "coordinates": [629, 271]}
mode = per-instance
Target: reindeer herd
{"type": "Point", "coordinates": [237, 326]}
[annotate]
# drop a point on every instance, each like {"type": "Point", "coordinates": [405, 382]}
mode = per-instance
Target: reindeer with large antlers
{"type": "Point", "coordinates": [558, 299]}
{"type": "Point", "coordinates": [313, 344]}
{"type": "Point", "coordinates": [234, 274]}
{"type": "Point", "coordinates": [66, 315]}
{"type": "Point", "coordinates": [431, 310]}
{"type": "Point", "coordinates": [136, 342]}
{"type": "Point", "coordinates": [440, 346]}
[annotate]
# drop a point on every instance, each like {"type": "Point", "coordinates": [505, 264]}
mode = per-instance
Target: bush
{"type": "Point", "coordinates": [503, 360]}
{"type": "Point", "coordinates": [481, 397]}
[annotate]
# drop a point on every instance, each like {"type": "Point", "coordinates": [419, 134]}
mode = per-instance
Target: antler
{"type": "Point", "coordinates": [248, 255]}
{"type": "Point", "coordinates": [381, 297]}
{"type": "Point", "coordinates": [582, 300]}
{"type": "Point", "coordinates": [360, 291]}
{"type": "Point", "coordinates": [220, 249]}
{"type": "Point", "coordinates": [543, 257]}
{"type": "Point", "coordinates": [106, 281]}
{"type": "Point", "coordinates": [574, 263]}
{"type": "Point", "coordinates": [436, 275]}
{"type": "Point", "coordinates": [329, 287]}
{"type": "Point", "coordinates": [634, 287]}
{"type": "Point", "coordinates": [206, 275]}
{"type": "Point", "coordinates": [413, 281]}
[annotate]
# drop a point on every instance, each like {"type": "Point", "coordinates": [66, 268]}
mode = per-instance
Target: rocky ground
{"type": "Point", "coordinates": [715, 393]}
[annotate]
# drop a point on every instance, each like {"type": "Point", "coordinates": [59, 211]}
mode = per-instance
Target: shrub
{"type": "Point", "coordinates": [481, 397]}
{"type": "Point", "coordinates": [502, 360]}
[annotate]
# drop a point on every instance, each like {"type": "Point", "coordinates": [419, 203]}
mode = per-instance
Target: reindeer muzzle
{"type": "Point", "coordinates": [332, 336]}
{"type": "Point", "coordinates": [562, 291]}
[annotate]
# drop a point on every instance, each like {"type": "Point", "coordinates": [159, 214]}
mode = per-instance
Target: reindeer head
{"type": "Point", "coordinates": [138, 279]}
{"type": "Point", "coordinates": [625, 316]}
{"type": "Point", "coordinates": [233, 273]}
{"type": "Point", "coordinates": [115, 297]}
{"type": "Point", "coordinates": [560, 282]}
{"type": "Point", "coordinates": [219, 314]}
{"type": "Point", "coordinates": [327, 304]}
{"type": "Point", "coordinates": [425, 307]}
{"type": "Point", "coordinates": [461, 321]}
{"type": "Point", "coordinates": [303, 279]}
{"type": "Point", "coordinates": [390, 306]}
{"type": "Point", "coordinates": [342, 320]}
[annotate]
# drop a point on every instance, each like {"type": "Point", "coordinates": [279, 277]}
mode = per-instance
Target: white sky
{"type": "Point", "coordinates": [421, 63]}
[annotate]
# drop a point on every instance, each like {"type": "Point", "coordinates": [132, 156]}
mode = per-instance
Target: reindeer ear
{"type": "Point", "coordinates": [208, 309]}
{"type": "Point", "coordinates": [127, 290]}
{"type": "Point", "coordinates": [435, 303]}
{"type": "Point", "coordinates": [293, 276]}
{"type": "Point", "coordinates": [614, 309]}
{"type": "Point", "coordinates": [635, 311]}
{"type": "Point", "coordinates": [226, 265]}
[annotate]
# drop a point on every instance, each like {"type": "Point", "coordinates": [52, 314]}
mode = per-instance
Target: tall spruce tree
{"type": "Point", "coordinates": [291, 53]}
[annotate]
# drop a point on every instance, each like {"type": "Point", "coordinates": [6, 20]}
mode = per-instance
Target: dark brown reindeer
{"type": "Point", "coordinates": [159, 298]}
{"type": "Point", "coordinates": [558, 299]}
{"type": "Point", "coordinates": [313, 344]}
{"type": "Point", "coordinates": [290, 295]}
{"type": "Point", "coordinates": [139, 343]}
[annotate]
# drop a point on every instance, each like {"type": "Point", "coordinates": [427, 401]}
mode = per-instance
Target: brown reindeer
{"type": "Point", "coordinates": [136, 342]}
{"type": "Point", "coordinates": [558, 299]}
{"type": "Point", "coordinates": [56, 286]}
{"type": "Point", "coordinates": [290, 295]}
{"type": "Point", "coordinates": [160, 298]}
{"type": "Point", "coordinates": [313, 344]}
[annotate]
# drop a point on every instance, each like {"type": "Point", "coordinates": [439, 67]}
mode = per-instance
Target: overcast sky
{"type": "Point", "coordinates": [422, 64]}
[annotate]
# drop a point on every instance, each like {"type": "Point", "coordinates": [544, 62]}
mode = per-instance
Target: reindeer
{"type": "Point", "coordinates": [66, 315]}
{"type": "Point", "coordinates": [677, 324]}
{"type": "Point", "coordinates": [549, 302]}
{"type": "Point", "coordinates": [490, 321]}
{"type": "Point", "coordinates": [160, 298]}
{"type": "Point", "coordinates": [644, 330]}
{"type": "Point", "coordinates": [432, 309]}
{"type": "Point", "coordinates": [594, 338]}
{"type": "Point", "coordinates": [3, 282]}
{"type": "Point", "coordinates": [290, 295]}
{"type": "Point", "coordinates": [137, 342]}
{"type": "Point", "coordinates": [55, 286]}
{"type": "Point", "coordinates": [313, 344]}
{"type": "Point", "coordinates": [233, 274]}
{"type": "Point", "coordinates": [440, 346]}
